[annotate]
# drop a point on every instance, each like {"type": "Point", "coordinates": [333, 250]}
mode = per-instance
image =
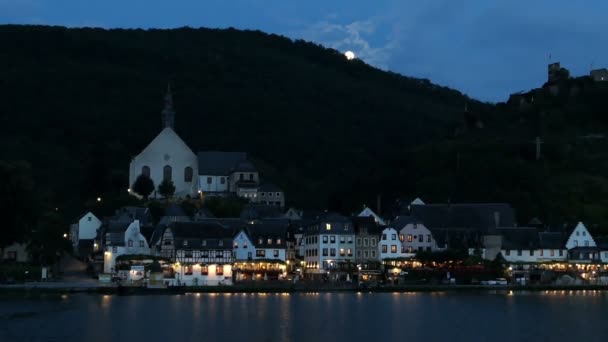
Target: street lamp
{"type": "Point", "coordinates": [98, 199]}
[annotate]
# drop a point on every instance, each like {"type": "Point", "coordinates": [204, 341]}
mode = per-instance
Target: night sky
{"type": "Point", "coordinates": [486, 49]}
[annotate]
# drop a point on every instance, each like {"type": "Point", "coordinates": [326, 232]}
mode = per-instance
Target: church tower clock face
{"type": "Point", "coordinates": [167, 157]}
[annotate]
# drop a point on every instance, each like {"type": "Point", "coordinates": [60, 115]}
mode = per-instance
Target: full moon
{"type": "Point", "coordinates": [349, 55]}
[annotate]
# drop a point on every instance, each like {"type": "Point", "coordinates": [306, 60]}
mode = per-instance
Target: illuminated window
{"type": "Point", "coordinates": [409, 238]}
{"type": "Point", "coordinates": [409, 249]}
{"type": "Point", "coordinates": [236, 244]}
{"type": "Point", "coordinates": [552, 252]}
{"type": "Point", "coordinates": [260, 253]}
{"type": "Point", "coordinates": [188, 270]}
{"type": "Point", "coordinates": [278, 241]}
{"type": "Point", "coordinates": [269, 241]}
{"type": "Point", "coordinates": [219, 270]}
{"type": "Point", "coordinates": [276, 253]}
{"type": "Point", "coordinates": [260, 241]}
{"type": "Point", "coordinates": [349, 252]}
{"type": "Point", "coordinates": [341, 251]}
{"type": "Point", "coordinates": [384, 249]}
{"type": "Point", "coordinates": [328, 226]}
{"type": "Point", "coordinates": [204, 270]}
{"type": "Point", "coordinates": [393, 248]}
{"type": "Point", "coordinates": [401, 237]}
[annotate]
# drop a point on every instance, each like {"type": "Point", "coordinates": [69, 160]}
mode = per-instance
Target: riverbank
{"type": "Point", "coordinates": [60, 288]}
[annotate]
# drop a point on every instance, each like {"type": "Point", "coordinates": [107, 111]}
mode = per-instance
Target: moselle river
{"type": "Point", "coordinates": [454, 316]}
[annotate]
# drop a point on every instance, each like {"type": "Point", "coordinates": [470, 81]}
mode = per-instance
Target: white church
{"type": "Point", "coordinates": [208, 173]}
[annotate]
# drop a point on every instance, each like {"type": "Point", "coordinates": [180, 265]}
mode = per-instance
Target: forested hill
{"type": "Point", "coordinates": [77, 104]}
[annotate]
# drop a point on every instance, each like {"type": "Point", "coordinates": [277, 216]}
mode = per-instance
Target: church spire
{"type": "Point", "coordinates": [168, 114]}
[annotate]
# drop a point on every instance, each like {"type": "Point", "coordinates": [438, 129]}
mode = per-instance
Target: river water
{"type": "Point", "coordinates": [480, 316]}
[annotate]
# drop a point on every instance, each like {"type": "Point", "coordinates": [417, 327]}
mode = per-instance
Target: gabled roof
{"type": "Point", "coordinates": [402, 221]}
{"type": "Point", "coordinates": [519, 238]}
{"type": "Point", "coordinates": [366, 223]}
{"type": "Point", "coordinates": [260, 211]}
{"type": "Point", "coordinates": [201, 235]}
{"type": "Point", "coordinates": [475, 216]}
{"type": "Point", "coordinates": [268, 229]}
{"type": "Point", "coordinates": [269, 187]}
{"type": "Point", "coordinates": [218, 163]}
{"type": "Point", "coordinates": [552, 240]}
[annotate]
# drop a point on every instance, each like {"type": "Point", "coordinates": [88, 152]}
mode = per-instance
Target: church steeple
{"type": "Point", "coordinates": [168, 114]}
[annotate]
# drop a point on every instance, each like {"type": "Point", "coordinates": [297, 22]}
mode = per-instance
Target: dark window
{"type": "Point", "coordinates": [428, 238]}
{"type": "Point", "coordinates": [223, 180]}
{"type": "Point", "coordinates": [420, 238]}
{"type": "Point", "coordinates": [251, 176]}
{"type": "Point", "coordinates": [342, 239]}
{"type": "Point", "coordinates": [384, 249]}
{"type": "Point", "coordinates": [324, 251]}
{"type": "Point", "coordinates": [242, 176]}
{"type": "Point", "coordinates": [276, 253]}
{"type": "Point", "coordinates": [167, 173]}
{"type": "Point", "coordinates": [145, 171]}
{"type": "Point", "coordinates": [209, 180]}
{"type": "Point", "coordinates": [187, 254]}
{"type": "Point", "coordinates": [393, 236]}
{"type": "Point", "coordinates": [141, 243]}
{"type": "Point", "coordinates": [332, 239]}
{"type": "Point", "coordinates": [383, 236]}
{"type": "Point", "coordinates": [188, 173]}
{"type": "Point", "coordinates": [519, 252]}
{"type": "Point", "coordinates": [508, 252]}
{"type": "Point", "coordinates": [358, 241]}
{"type": "Point", "coordinates": [332, 252]}
{"type": "Point", "coordinates": [130, 243]}
{"type": "Point", "coordinates": [324, 239]}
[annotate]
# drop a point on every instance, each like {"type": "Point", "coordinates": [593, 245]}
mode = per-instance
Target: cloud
{"type": "Point", "coordinates": [363, 37]}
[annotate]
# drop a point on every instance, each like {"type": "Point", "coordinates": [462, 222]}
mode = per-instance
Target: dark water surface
{"type": "Point", "coordinates": [526, 316]}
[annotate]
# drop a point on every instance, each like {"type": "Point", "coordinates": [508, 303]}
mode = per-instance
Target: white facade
{"type": "Point", "coordinates": [211, 183]}
{"type": "Point", "coordinates": [416, 237]}
{"type": "Point", "coordinates": [368, 212]}
{"type": "Point", "coordinates": [580, 237]}
{"type": "Point", "coordinates": [15, 252]}
{"type": "Point", "coordinates": [201, 275]}
{"type": "Point", "coordinates": [389, 246]}
{"type": "Point", "coordinates": [324, 251]}
{"type": "Point", "coordinates": [134, 243]}
{"type": "Point", "coordinates": [167, 152]}
{"type": "Point", "coordinates": [243, 247]}
{"type": "Point", "coordinates": [88, 226]}
{"type": "Point", "coordinates": [534, 255]}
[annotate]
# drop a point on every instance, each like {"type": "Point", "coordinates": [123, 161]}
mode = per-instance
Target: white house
{"type": "Point", "coordinates": [366, 212]}
{"type": "Point", "coordinates": [84, 229]}
{"type": "Point", "coordinates": [258, 242]}
{"type": "Point", "coordinates": [329, 244]}
{"type": "Point", "coordinates": [167, 157]}
{"type": "Point", "coordinates": [389, 246]}
{"type": "Point", "coordinates": [414, 236]}
{"type": "Point", "coordinates": [123, 242]}
{"type": "Point", "coordinates": [580, 237]}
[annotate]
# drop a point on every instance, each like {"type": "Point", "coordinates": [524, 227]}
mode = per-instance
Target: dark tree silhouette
{"type": "Point", "coordinates": [143, 186]}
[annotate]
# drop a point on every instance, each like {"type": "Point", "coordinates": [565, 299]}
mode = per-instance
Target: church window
{"type": "Point", "coordinates": [209, 180]}
{"type": "Point", "coordinates": [188, 174]}
{"type": "Point", "coordinates": [167, 173]}
{"type": "Point", "coordinates": [145, 171]}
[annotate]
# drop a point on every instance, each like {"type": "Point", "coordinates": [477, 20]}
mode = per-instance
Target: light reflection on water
{"type": "Point", "coordinates": [361, 316]}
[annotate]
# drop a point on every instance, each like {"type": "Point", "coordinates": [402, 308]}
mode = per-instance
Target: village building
{"type": "Point", "coordinates": [260, 251]}
{"type": "Point", "coordinates": [123, 238]}
{"type": "Point", "coordinates": [368, 212]}
{"type": "Point", "coordinates": [329, 246]}
{"type": "Point", "coordinates": [15, 252]}
{"type": "Point", "coordinates": [207, 173]}
{"type": "Point", "coordinates": [200, 253]}
{"type": "Point", "coordinates": [367, 235]}
{"type": "Point", "coordinates": [389, 246]}
{"type": "Point", "coordinates": [83, 233]}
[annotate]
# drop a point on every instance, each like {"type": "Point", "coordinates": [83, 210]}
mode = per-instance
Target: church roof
{"type": "Point", "coordinates": [218, 163]}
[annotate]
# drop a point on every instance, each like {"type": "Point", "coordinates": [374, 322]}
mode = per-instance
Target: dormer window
{"type": "Point", "coordinates": [278, 241]}
{"type": "Point", "coordinates": [221, 243]}
{"type": "Point", "coordinates": [269, 241]}
{"type": "Point", "coordinates": [328, 226]}
{"type": "Point", "coordinates": [204, 243]}
{"type": "Point", "coordinates": [260, 241]}
{"type": "Point", "coordinates": [185, 242]}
